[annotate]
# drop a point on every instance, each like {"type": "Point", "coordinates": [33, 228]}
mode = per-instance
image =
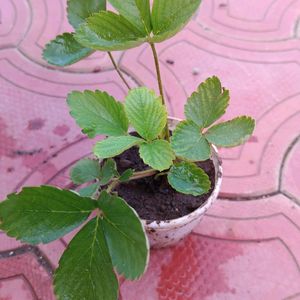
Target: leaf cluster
{"type": "Point", "coordinates": [134, 23]}
{"type": "Point", "coordinates": [111, 242]}
{"type": "Point", "coordinates": [96, 176]}
{"type": "Point", "coordinates": [98, 113]}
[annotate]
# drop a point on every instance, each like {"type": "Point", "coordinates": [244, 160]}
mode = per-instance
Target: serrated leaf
{"type": "Point", "coordinates": [170, 16]}
{"type": "Point", "coordinates": [43, 214]}
{"type": "Point", "coordinates": [64, 50]}
{"type": "Point", "coordinates": [146, 113]}
{"type": "Point", "coordinates": [114, 146]}
{"type": "Point", "coordinates": [107, 31]}
{"type": "Point", "coordinates": [85, 270]}
{"type": "Point", "coordinates": [208, 104]}
{"type": "Point", "coordinates": [79, 10]}
{"type": "Point", "coordinates": [157, 154]}
{"type": "Point", "coordinates": [108, 171]}
{"type": "Point", "coordinates": [126, 175]}
{"type": "Point", "coordinates": [231, 133]}
{"type": "Point", "coordinates": [85, 170]}
{"type": "Point", "coordinates": [189, 143]}
{"type": "Point", "coordinates": [90, 190]}
{"type": "Point", "coordinates": [98, 113]}
{"type": "Point", "coordinates": [188, 178]}
{"type": "Point", "coordinates": [136, 12]}
{"type": "Point", "coordinates": [125, 236]}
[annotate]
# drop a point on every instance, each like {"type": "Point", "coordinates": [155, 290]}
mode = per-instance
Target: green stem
{"type": "Point", "coordinates": [118, 70]}
{"type": "Point", "coordinates": [136, 175]}
{"type": "Point", "coordinates": [166, 134]}
{"type": "Point", "coordinates": [143, 174]}
{"type": "Point", "coordinates": [112, 186]}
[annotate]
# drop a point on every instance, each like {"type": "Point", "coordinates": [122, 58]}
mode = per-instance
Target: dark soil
{"type": "Point", "coordinates": [154, 199]}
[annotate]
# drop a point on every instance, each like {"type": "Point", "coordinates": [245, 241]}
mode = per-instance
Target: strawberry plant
{"type": "Point", "coordinates": [112, 239]}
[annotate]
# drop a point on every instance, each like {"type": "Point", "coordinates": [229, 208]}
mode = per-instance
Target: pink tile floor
{"type": "Point", "coordinates": [248, 246]}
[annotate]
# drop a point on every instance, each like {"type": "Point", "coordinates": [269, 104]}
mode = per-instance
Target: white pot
{"type": "Point", "coordinates": [167, 233]}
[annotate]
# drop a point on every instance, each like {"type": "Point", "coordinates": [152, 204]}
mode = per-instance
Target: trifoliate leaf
{"type": "Point", "coordinates": [79, 10]}
{"type": "Point", "coordinates": [188, 142]}
{"type": "Point", "coordinates": [98, 113]}
{"type": "Point", "coordinates": [126, 175]}
{"type": "Point", "coordinates": [146, 113]}
{"type": "Point", "coordinates": [90, 190]}
{"type": "Point", "coordinates": [208, 103]}
{"type": "Point", "coordinates": [137, 12]}
{"type": "Point", "coordinates": [125, 236]}
{"type": "Point", "coordinates": [107, 31]}
{"type": "Point", "coordinates": [231, 133]}
{"type": "Point", "coordinates": [64, 50]}
{"type": "Point", "coordinates": [170, 16]}
{"type": "Point", "coordinates": [188, 178]}
{"type": "Point", "coordinates": [43, 214]}
{"type": "Point", "coordinates": [85, 270]}
{"type": "Point", "coordinates": [85, 170]}
{"type": "Point", "coordinates": [157, 154]}
{"type": "Point", "coordinates": [114, 146]}
{"type": "Point", "coordinates": [108, 171]}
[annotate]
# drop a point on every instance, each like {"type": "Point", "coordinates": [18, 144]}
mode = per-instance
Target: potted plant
{"type": "Point", "coordinates": [166, 170]}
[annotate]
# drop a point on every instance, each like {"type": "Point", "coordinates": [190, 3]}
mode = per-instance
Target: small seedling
{"type": "Point", "coordinates": [113, 240]}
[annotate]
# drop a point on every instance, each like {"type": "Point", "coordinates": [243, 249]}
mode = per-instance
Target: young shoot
{"type": "Point", "coordinates": [112, 239]}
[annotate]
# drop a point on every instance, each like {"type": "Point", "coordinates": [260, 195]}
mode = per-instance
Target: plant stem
{"type": "Point", "coordinates": [166, 134]}
{"type": "Point", "coordinates": [113, 185]}
{"type": "Point", "coordinates": [135, 176]}
{"type": "Point", "coordinates": [118, 70]}
{"type": "Point", "coordinates": [143, 174]}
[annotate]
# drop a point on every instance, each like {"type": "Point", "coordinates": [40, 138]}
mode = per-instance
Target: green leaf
{"type": "Point", "coordinates": [98, 113]}
{"type": "Point", "coordinates": [157, 154]}
{"type": "Point", "coordinates": [188, 178]}
{"type": "Point", "coordinates": [114, 146]}
{"type": "Point", "coordinates": [108, 171]}
{"type": "Point", "coordinates": [208, 104]}
{"type": "Point", "coordinates": [43, 214]}
{"type": "Point", "coordinates": [79, 10]}
{"type": "Point", "coordinates": [107, 31]}
{"type": "Point", "coordinates": [89, 191]}
{"type": "Point", "coordinates": [126, 175]}
{"type": "Point", "coordinates": [85, 170]}
{"type": "Point", "coordinates": [125, 236]}
{"type": "Point", "coordinates": [232, 133]}
{"type": "Point", "coordinates": [85, 270]}
{"type": "Point", "coordinates": [189, 143]}
{"type": "Point", "coordinates": [146, 112]}
{"type": "Point", "coordinates": [170, 16]}
{"type": "Point", "coordinates": [64, 50]}
{"type": "Point", "coordinates": [137, 12]}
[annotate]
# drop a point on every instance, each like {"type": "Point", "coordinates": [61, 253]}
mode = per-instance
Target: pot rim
{"type": "Point", "coordinates": [179, 222]}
